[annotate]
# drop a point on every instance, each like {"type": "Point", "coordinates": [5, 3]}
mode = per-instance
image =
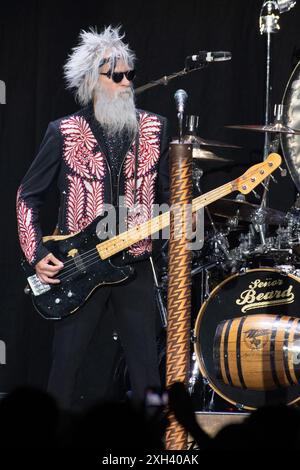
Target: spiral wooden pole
{"type": "Point", "coordinates": [179, 285]}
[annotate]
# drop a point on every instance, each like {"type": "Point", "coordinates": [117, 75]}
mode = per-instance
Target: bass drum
{"type": "Point", "coordinates": [247, 338]}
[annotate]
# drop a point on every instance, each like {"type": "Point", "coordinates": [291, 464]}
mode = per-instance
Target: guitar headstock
{"type": "Point", "coordinates": [257, 173]}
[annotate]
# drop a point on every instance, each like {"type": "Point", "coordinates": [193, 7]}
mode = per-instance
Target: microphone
{"type": "Point", "coordinates": [180, 100]}
{"type": "Point", "coordinates": [206, 56]}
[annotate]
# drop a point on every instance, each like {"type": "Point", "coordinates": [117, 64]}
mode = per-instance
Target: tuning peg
{"type": "Point", "coordinates": [255, 194]}
{"type": "Point", "coordinates": [264, 186]}
{"type": "Point", "coordinates": [273, 179]}
{"type": "Point", "coordinates": [283, 172]}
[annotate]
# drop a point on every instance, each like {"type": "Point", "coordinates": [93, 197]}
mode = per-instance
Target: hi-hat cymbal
{"type": "Point", "coordinates": [245, 211]}
{"type": "Point", "coordinates": [205, 155]}
{"type": "Point", "coordinates": [276, 128]}
{"type": "Point", "coordinates": [199, 141]}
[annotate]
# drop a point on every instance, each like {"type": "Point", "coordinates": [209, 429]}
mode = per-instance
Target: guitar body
{"type": "Point", "coordinates": [83, 272]}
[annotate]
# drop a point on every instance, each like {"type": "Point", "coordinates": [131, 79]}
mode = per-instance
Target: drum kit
{"type": "Point", "coordinates": [246, 335]}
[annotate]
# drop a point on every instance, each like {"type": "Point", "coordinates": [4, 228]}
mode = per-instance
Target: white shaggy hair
{"type": "Point", "coordinates": [81, 70]}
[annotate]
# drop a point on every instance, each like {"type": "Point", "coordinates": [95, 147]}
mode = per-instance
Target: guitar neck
{"type": "Point", "coordinates": [126, 239]}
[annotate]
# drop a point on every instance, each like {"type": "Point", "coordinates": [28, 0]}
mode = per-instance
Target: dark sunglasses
{"type": "Point", "coordinates": [117, 77]}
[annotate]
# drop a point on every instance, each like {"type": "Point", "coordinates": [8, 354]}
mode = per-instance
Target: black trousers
{"type": "Point", "coordinates": [132, 304]}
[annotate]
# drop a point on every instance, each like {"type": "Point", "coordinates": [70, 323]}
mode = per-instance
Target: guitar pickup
{"type": "Point", "coordinates": [79, 263]}
{"type": "Point", "coordinates": [37, 286]}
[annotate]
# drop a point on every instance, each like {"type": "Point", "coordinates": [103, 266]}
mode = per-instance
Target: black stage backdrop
{"type": "Point", "coordinates": [35, 39]}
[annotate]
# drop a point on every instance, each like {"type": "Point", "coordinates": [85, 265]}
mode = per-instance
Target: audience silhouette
{"type": "Point", "coordinates": [31, 419]}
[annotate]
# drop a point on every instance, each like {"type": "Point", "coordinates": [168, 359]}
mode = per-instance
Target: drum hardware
{"type": "Point", "coordinates": [221, 247]}
{"type": "Point", "coordinates": [201, 268]}
{"type": "Point", "coordinates": [207, 402]}
{"type": "Point", "coordinates": [195, 373]}
{"type": "Point", "coordinates": [277, 128]}
{"type": "Point", "coordinates": [197, 174]}
{"type": "Point", "coordinates": [246, 211]}
{"type": "Point", "coordinates": [192, 137]}
{"type": "Point", "coordinates": [242, 270]}
{"type": "Point", "coordinates": [191, 124]}
{"type": "Point", "coordinates": [269, 24]}
{"type": "Point", "coordinates": [258, 221]}
{"type": "Point", "coordinates": [159, 296]}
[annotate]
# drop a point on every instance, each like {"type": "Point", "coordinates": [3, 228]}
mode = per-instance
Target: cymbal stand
{"type": "Point", "coordinates": [273, 146]}
{"type": "Point", "coordinates": [159, 297]}
{"type": "Point", "coordinates": [269, 24]}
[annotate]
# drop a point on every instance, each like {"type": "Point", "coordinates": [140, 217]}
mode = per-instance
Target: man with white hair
{"type": "Point", "coordinates": [106, 150]}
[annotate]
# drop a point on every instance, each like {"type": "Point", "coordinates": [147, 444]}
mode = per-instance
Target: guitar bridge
{"type": "Point", "coordinates": [37, 286]}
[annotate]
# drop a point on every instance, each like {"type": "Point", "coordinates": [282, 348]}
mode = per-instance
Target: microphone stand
{"type": "Point", "coordinates": [167, 78]}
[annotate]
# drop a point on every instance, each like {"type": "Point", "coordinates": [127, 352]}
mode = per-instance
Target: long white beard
{"type": "Point", "coordinates": [117, 112]}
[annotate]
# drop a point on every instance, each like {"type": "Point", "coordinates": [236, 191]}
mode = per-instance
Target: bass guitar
{"type": "Point", "coordinates": [88, 263]}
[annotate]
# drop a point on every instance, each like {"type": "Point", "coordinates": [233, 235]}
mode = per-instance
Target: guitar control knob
{"type": "Point", "coordinates": [57, 300]}
{"type": "Point", "coordinates": [70, 293]}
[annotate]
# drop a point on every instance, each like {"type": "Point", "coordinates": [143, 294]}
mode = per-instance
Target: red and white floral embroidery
{"type": "Point", "coordinates": [149, 143]}
{"type": "Point", "coordinates": [147, 193]}
{"type": "Point", "coordinates": [129, 193]}
{"type": "Point", "coordinates": [85, 202]}
{"type": "Point", "coordinates": [76, 203]}
{"type": "Point", "coordinates": [149, 151]}
{"type": "Point", "coordinates": [27, 234]}
{"type": "Point", "coordinates": [86, 188]}
{"type": "Point", "coordinates": [130, 162]}
{"type": "Point", "coordinates": [144, 212]}
{"type": "Point", "coordinates": [96, 165]}
{"type": "Point", "coordinates": [78, 133]}
{"type": "Point", "coordinates": [79, 146]}
{"type": "Point", "coordinates": [149, 147]}
{"type": "Point", "coordinates": [95, 200]}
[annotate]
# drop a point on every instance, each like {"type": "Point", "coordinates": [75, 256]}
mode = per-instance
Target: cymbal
{"type": "Point", "coordinates": [205, 155]}
{"type": "Point", "coordinates": [197, 140]}
{"type": "Point", "coordinates": [275, 128]}
{"type": "Point", "coordinates": [245, 211]}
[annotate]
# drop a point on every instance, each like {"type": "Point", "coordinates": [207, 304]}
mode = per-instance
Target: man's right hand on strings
{"type": "Point", "coordinates": [47, 268]}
